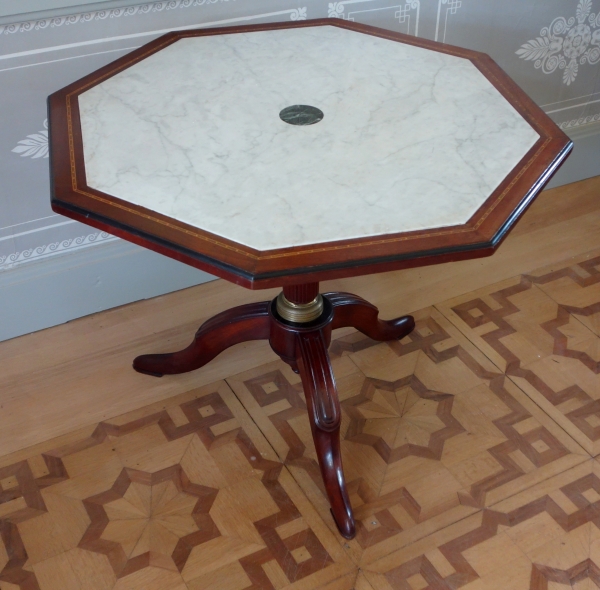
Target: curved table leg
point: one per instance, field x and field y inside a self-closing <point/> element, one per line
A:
<point x="351" y="310"/>
<point x="239" y="324"/>
<point x="325" y="418"/>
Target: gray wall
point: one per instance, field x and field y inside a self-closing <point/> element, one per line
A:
<point x="535" y="42"/>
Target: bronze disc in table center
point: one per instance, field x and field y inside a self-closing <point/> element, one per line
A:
<point x="301" y="114"/>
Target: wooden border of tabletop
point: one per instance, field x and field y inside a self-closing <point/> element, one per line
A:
<point x="255" y="269"/>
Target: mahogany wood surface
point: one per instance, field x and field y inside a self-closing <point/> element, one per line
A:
<point x="301" y="293"/>
<point x="304" y="348"/>
<point x="236" y="325"/>
<point x="325" y="416"/>
<point x="254" y="269"/>
<point x="352" y="310"/>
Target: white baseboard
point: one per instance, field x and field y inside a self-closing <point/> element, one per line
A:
<point x="42" y="294"/>
<point x="584" y="161"/>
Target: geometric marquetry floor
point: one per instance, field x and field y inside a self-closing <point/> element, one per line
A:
<point x="468" y="449"/>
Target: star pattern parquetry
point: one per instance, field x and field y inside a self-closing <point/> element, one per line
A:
<point x="145" y="498"/>
<point x="149" y="519"/>
<point x="457" y="478"/>
<point x="401" y="418"/>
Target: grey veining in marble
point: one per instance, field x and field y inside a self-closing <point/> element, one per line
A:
<point x="410" y="138"/>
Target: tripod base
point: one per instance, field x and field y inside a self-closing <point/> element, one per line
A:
<point x="304" y="347"/>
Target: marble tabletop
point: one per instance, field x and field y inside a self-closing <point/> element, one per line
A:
<point x="410" y="138"/>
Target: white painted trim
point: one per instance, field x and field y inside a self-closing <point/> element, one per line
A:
<point x="452" y="9"/>
<point x="581" y="122"/>
<point x="337" y="9"/>
<point x="589" y="130"/>
<point x="294" y="14"/>
<point x="67" y="17"/>
<point x="25" y="10"/>
<point x="29" y="221"/>
<point x="157" y="32"/>
<point x="583" y="161"/>
<point x="34" y="231"/>
<point x="583" y="104"/>
<point x="10" y="261"/>
<point x="397" y="15"/>
<point x="51" y="61"/>
<point x="569" y="100"/>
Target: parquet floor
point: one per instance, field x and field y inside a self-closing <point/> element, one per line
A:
<point x="471" y="450"/>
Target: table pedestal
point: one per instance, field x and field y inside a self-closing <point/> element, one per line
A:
<point x="303" y="345"/>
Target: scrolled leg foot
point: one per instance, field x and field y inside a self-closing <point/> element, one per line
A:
<point x="351" y="310"/>
<point x="240" y="324"/>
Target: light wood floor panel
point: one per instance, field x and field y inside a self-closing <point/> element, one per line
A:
<point x="575" y="287"/>
<point x="145" y="502"/>
<point x="546" y="537"/>
<point x="541" y="329"/>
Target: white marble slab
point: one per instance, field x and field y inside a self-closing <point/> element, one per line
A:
<point x="411" y="138"/>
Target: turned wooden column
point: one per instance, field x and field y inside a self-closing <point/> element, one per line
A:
<point x="304" y="293"/>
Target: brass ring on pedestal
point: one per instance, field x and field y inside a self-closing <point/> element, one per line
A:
<point x="299" y="313"/>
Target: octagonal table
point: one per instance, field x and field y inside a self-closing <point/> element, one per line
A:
<point x="286" y="154"/>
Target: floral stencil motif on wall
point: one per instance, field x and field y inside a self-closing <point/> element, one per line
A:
<point x="34" y="145"/>
<point x="566" y="44"/>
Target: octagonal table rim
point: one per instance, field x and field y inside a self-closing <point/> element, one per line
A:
<point x="254" y="269"/>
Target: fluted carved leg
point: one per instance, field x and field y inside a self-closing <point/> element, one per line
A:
<point x="239" y="324"/>
<point x="325" y="420"/>
<point x="351" y="310"/>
